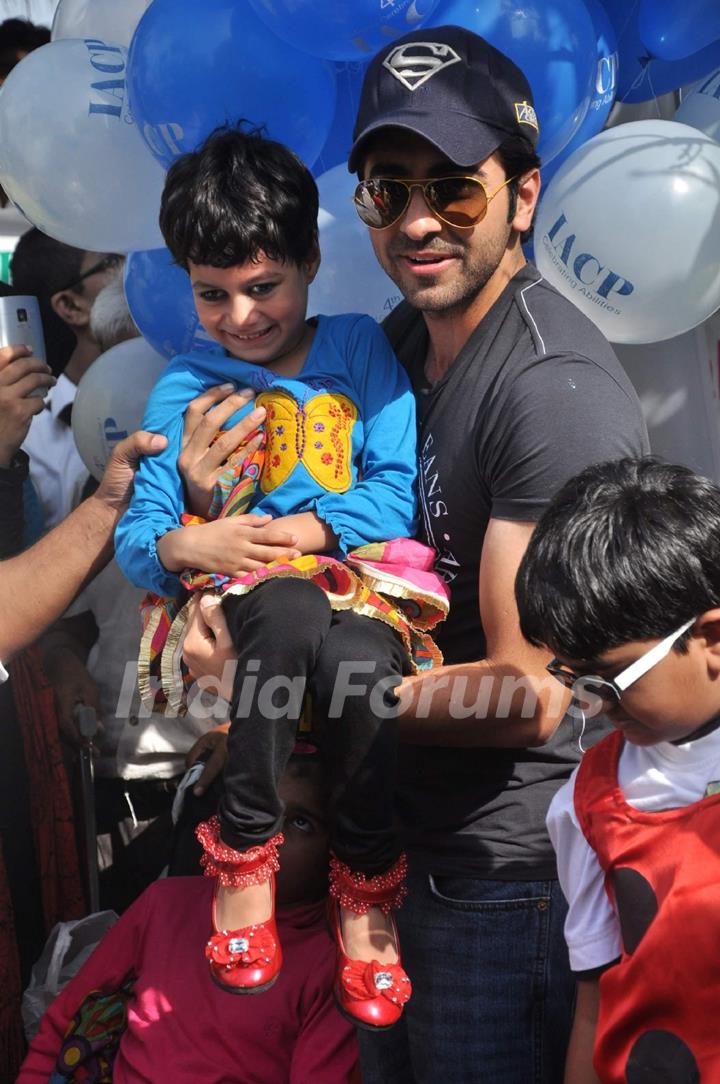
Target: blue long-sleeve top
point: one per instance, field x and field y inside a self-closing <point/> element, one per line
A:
<point x="341" y="442"/>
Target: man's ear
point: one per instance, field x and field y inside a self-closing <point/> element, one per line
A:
<point x="72" y="308"/>
<point x="528" y="193"/>
<point x="708" y="627"/>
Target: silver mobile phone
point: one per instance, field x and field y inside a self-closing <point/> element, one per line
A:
<point x="20" y="323"/>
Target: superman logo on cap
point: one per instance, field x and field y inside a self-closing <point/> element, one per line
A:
<point x="417" y="61"/>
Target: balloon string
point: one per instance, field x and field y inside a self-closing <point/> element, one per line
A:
<point x="655" y="97"/>
<point x="644" y="73"/>
<point x="645" y="61"/>
<point x="628" y="20"/>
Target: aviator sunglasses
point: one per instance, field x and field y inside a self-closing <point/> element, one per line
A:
<point x="610" y="690"/>
<point x="460" y="202"/>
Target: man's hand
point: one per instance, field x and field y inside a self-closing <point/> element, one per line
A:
<point x="214" y="742"/>
<point x="72" y="684"/>
<point x="232" y="545"/>
<point x="115" y="488"/>
<point x="202" y="458"/>
<point x="40" y="584"/>
<point x="21" y="375"/>
<point x="208" y="646"/>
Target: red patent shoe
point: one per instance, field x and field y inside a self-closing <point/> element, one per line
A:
<point x="369" y="993"/>
<point x="247" y="960"/>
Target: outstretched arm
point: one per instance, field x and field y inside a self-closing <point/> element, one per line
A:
<point x="517" y="702"/>
<point x="39" y="584"/>
<point x="525" y="459"/>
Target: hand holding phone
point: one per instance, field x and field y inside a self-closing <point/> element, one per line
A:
<point x="21" y="324"/>
<point x="24" y="380"/>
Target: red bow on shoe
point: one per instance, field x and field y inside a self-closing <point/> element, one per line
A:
<point x="364" y="981"/>
<point x="241" y="948"/>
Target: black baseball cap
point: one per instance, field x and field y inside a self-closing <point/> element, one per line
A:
<point x="451" y="87"/>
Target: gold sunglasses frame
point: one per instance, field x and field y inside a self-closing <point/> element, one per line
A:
<point x="421" y="183"/>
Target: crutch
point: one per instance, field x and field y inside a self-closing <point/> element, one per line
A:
<point x="86" y="720"/>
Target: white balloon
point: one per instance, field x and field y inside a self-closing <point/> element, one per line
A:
<point x="350" y="279"/>
<point x="109" y="20"/>
<point x="629" y="230"/>
<point x="701" y="108"/>
<point x="111" y="398"/>
<point x="71" y="157"/>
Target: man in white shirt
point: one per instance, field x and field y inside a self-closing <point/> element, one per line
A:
<point x="66" y="282"/>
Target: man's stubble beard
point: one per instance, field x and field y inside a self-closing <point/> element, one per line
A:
<point x="459" y="293"/>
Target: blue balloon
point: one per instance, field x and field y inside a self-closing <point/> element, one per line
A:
<point x="342" y="29"/>
<point x="605" y="87"/>
<point x="642" y="77"/>
<point x="552" y="42"/>
<point x="348" y="80"/>
<point x="193" y="66"/>
<point x="675" y="29"/>
<point x="160" y="299"/>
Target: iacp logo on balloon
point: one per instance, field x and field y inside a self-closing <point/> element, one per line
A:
<point x="583" y="271"/>
<point x="412" y="9"/>
<point x="108" y="60"/>
<point x="112" y="434"/>
<point x="165" y="137"/>
<point x="605" y="81"/>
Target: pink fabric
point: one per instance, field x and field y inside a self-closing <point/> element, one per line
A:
<point x="405" y="559"/>
<point x="182" y="1027"/>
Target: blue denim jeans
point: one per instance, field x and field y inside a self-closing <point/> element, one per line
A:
<point x="492" y="989"/>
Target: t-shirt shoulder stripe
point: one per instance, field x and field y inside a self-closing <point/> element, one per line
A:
<point x="524" y="303"/>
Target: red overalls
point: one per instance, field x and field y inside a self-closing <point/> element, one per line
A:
<point x="659" y="1020"/>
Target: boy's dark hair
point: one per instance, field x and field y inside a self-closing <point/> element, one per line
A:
<point x="238" y="196"/>
<point x="517" y="157"/>
<point x="627" y="550"/>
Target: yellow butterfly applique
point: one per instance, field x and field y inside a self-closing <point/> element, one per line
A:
<point x="318" y="435"/>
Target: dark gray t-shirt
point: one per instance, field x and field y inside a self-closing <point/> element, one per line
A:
<point x="535" y="395"/>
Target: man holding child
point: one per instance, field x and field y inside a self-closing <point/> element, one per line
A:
<point x="516" y="392"/>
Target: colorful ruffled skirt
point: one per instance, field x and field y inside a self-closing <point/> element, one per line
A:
<point x="393" y="581"/>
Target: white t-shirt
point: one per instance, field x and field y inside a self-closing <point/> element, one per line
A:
<point x="56" y="469"/>
<point x="652" y="778"/>
<point x="3" y="674"/>
<point x="132" y="744"/>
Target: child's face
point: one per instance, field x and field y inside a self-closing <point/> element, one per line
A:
<point x="256" y="310"/>
<point x="303" y="874"/>
<point x="671" y="701"/>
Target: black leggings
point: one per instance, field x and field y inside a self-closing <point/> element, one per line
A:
<point x="288" y="640"/>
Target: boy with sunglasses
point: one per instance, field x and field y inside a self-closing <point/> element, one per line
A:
<point x="622" y="580"/>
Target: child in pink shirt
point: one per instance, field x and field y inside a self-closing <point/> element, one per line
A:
<point x="180" y="1025"/>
